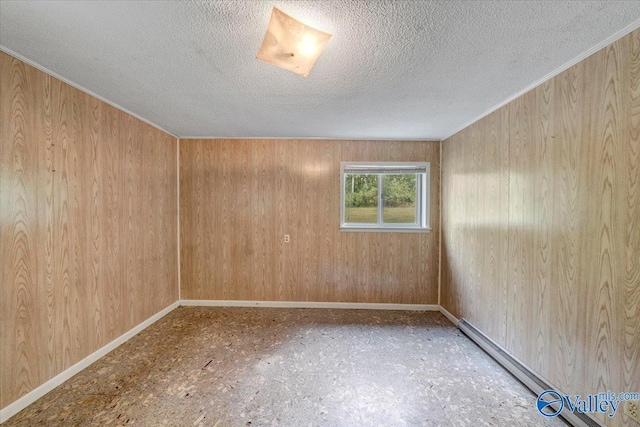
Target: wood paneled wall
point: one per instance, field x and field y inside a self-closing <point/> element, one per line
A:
<point x="238" y="198"/>
<point x="88" y="225"/>
<point x="541" y="225"/>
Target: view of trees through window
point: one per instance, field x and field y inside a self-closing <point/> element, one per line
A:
<point x="398" y="198"/>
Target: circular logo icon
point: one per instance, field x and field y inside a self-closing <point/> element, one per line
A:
<point x="546" y="401"/>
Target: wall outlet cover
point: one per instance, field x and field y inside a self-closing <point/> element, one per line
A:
<point x="632" y="409"/>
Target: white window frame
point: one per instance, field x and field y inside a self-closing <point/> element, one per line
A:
<point x="422" y="198"/>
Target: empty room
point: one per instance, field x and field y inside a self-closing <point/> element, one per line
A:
<point x="319" y="213"/>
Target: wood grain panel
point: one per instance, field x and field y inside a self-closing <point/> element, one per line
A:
<point x="570" y="223"/>
<point x="472" y="205"/>
<point x="542" y="197"/>
<point x="518" y="232"/>
<point x="457" y="229"/>
<point x="88" y="228"/>
<point x="19" y="244"/>
<point x="260" y="190"/>
<point x="484" y="235"/>
<point x="450" y="196"/>
<point x="607" y="176"/>
<point x="568" y="309"/>
<point x="498" y="168"/>
<point x="630" y="292"/>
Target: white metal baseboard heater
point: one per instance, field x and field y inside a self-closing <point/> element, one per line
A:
<point x="523" y="373"/>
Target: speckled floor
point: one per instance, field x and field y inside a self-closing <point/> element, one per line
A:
<point x="201" y="366"/>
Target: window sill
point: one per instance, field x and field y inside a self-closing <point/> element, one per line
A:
<point x="386" y="229"/>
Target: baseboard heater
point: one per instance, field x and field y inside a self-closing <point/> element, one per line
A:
<point x="522" y="373"/>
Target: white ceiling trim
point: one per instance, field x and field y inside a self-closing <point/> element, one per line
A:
<point x="83" y="89"/>
<point x="119" y="107"/>
<point x="584" y="55"/>
<point x="617" y="35"/>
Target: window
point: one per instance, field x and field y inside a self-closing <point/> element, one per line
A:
<point x="385" y="196"/>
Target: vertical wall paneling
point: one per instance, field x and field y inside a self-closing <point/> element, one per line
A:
<point x="232" y="239"/>
<point x="564" y="293"/>
<point x="630" y="294"/>
<point x="570" y="192"/>
<point x="88" y="230"/>
<point x="607" y="171"/>
<point x="541" y="191"/>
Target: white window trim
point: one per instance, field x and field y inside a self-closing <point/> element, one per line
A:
<point x="423" y="208"/>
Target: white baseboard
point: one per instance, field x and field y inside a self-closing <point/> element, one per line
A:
<point x="35" y="394"/>
<point x="309" y="304"/>
<point x="449" y="316"/>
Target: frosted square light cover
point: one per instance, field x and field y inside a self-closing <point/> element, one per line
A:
<point x="290" y="44"/>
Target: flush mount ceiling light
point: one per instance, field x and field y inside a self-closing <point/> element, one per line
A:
<point x="290" y="44"/>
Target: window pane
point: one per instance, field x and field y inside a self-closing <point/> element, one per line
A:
<point x="361" y="199"/>
<point x="399" y="199"/>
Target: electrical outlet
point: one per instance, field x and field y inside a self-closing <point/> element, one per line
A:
<point x="632" y="409"/>
<point x="286" y="238"/>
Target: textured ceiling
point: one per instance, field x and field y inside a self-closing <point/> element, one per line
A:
<point x="393" y="69"/>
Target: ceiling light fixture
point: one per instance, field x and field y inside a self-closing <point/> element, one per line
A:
<point x="290" y="44"/>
